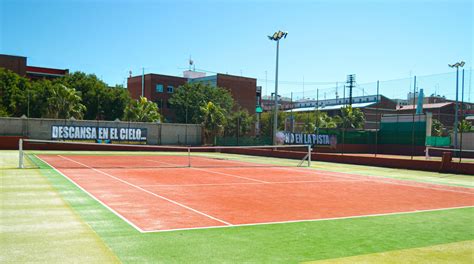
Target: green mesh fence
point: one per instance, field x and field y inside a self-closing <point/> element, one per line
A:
<point x="351" y="136"/>
<point x="244" y="141"/>
<point x="402" y="133"/>
<point x="438" y="141"/>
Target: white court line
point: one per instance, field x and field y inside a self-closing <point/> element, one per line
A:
<point x="93" y="197"/>
<point x="312" y="171"/>
<point x="311" y="220"/>
<point x="244" y="183"/>
<point x="379" y="179"/>
<point x="215" y="172"/>
<point x="149" y="192"/>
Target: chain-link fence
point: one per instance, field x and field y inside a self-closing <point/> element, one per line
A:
<point x="394" y="117"/>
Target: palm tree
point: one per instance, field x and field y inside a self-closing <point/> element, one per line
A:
<point x="437" y="128"/>
<point x="350" y="118"/>
<point x="64" y="102"/>
<point x="142" y="110"/>
<point x="464" y="126"/>
<point x="214" y="120"/>
<point x="322" y="120"/>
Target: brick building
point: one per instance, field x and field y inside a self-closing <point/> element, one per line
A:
<point x="159" y="89"/>
<point x="18" y="65"/>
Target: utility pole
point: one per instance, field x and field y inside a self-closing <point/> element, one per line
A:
<point x="350" y="82"/>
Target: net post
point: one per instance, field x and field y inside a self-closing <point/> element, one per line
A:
<point x="20" y="150"/>
<point x="309" y="155"/>
<point x="427" y="155"/>
<point x="189" y="157"/>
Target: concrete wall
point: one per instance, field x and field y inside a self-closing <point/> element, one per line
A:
<point x="157" y="134"/>
<point x="467" y="140"/>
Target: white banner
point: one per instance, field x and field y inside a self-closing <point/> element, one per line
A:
<point x="307" y="139"/>
<point x="98" y="133"/>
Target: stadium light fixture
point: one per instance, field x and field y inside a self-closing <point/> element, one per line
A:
<point x="456" y="65"/>
<point x="276" y="37"/>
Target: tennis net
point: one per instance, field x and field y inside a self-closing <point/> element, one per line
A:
<point x="461" y="155"/>
<point x="60" y="154"/>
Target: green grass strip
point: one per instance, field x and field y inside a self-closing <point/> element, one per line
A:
<point x="38" y="226"/>
<point x="459" y="252"/>
<point x="277" y="243"/>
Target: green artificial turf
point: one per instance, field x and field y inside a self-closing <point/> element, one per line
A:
<point x="276" y="243"/>
<point x="37" y="225"/>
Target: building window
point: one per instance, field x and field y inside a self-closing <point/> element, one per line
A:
<point x="159" y="88"/>
<point x="170" y="89"/>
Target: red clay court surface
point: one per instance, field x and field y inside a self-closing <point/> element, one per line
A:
<point x="164" y="199"/>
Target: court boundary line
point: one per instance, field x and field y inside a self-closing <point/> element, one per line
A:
<point x="93" y="197"/>
<point x="312" y="220"/>
<point x="380" y="179"/>
<point x="409" y="183"/>
<point x="151" y="193"/>
<point x="244" y="183"/>
<point x="215" y="172"/>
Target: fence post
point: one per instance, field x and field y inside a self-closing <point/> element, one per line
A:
<point x="20" y="148"/>
<point x="413" y="122"/>
<point x="189" y="157"/>
<point x="309" y="155"/>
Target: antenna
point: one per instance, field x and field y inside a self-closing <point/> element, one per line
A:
<point x="191" y="63"/>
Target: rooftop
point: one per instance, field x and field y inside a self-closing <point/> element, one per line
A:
<point x="425" y="106"/>
<point x="330" y="107"/>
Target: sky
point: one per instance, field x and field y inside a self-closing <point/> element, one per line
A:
<point x="327" y="40"/>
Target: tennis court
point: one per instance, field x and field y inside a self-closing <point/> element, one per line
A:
<point x="156" y="193"/>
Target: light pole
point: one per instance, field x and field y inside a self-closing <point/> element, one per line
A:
<point x="456" y="65"/>
<point x="276" y="37"/>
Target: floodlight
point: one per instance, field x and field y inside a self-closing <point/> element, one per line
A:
<point x="457" y="65"/>
<point x="276" y="37"/>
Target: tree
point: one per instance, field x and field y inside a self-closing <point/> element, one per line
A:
<point x="142" y="110"/>
<point x="266" y="122"/>
<point x="113" y="105"/>
<point x="464" y="126"/>
<point x="437" y="128"/>
<point x="101" y="101"/>
<point x="239" y="123"/>
<point x="64" y="102"/>
<point x="20" y="96"/>
<point x="322" y="120"/>
<point x="214" y="120"/>
<point x="189" y="99"/>
<point x="13" y="99"/>
<point x="350" y="118"/>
